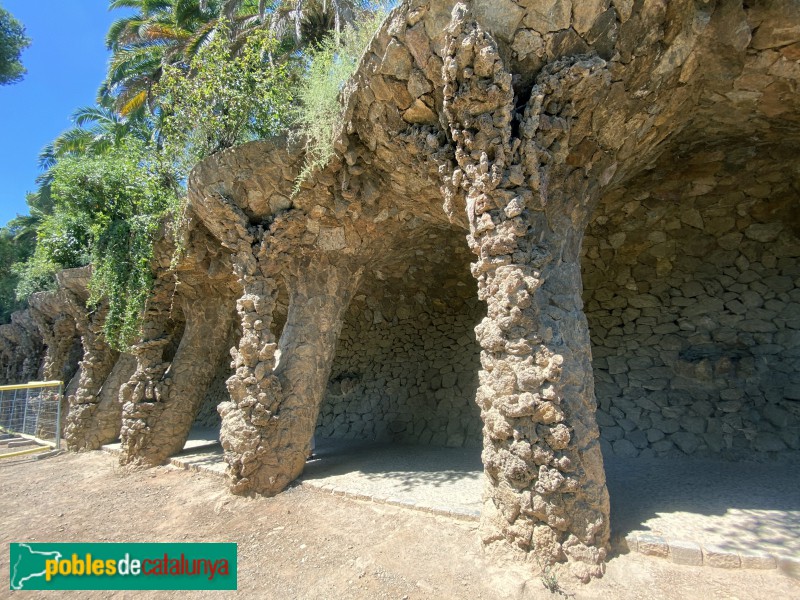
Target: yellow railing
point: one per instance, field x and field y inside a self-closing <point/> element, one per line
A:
<point x="32" y="410"/>
<point x="29" y="385"/>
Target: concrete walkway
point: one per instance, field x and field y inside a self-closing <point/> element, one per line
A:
<point x="692" y="511"/>
<point x="440" y="480"/>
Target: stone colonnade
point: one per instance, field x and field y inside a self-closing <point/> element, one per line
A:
<point x="517" y="118"/>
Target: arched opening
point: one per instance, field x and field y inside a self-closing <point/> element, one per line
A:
<point x="691" y="274"/>
<point x="399" y="407"/>
<point x="203" y="442"/>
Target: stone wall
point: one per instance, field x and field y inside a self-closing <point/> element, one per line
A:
<point x="692" y="292"/>
<point x="407" y="361"/>
<point x="407" y="377"/>
<point x="207" y="416"/>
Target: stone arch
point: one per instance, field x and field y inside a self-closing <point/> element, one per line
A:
<point x="517" y="118"/>
<point x="407" y="361"/>
<point x="59" y="335"/>
<point x="187" y="326"/>
<point x="614" y="86"/>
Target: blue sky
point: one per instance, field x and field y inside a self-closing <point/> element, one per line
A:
<point x="66" y="63"/>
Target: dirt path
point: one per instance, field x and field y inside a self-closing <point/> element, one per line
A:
<point x="306" y="544"/>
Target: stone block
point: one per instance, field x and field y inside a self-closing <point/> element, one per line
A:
<point x="685" y="553"/>
<point x="604" y="419"/>
<point x="617" y="364"/>
<point x="637" y="438"/>
<point x="687" y="442"/>
<point x="754" y="559"/>
<point x="789" y="565"/>
<point x="653" y="545"/>
<point x="663" y="446"/>
<point x="766" y="441"/>
<point x="501" y="17"/>
<point x="721" y="558"/>
<point x="549" y="15"/>
<point x="693" y="424"/>
<point x="763" y="232"/>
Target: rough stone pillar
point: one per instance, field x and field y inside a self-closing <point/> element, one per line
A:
<point x="58" y="334"/>
<point x="268" y="424"/>
<point x="162" y="399"/>
<point x="89" y="424"/>
<point x="545" y="493"/>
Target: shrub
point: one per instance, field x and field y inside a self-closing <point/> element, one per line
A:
<point x="107" y="210"/>
<point x="329" y="67"/>
<point x="228" y="95"/>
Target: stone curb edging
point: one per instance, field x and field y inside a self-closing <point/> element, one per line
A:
<point x="684" y="552"/>
<point x="176" y="461"/>
<point x="680" y="552"/>
<point x="195" y="468"/>
<point x="454" y="513"/>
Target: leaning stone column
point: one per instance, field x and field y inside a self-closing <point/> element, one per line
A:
<point x="545" y="495"/>
<point x="162" y="401"/>
<point x="268" y="424"/>
<point x="87" y="428"/>
<point x="58" y="333"/>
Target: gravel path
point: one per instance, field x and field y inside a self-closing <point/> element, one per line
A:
<point x="733" y="507"/>
<point x="303" y="544"/>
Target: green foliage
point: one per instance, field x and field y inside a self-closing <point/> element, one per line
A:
<point x="36" y="274"/>
<point x="12" y="250"/>
<point x="107" y="211"/>
<point x="329" y="67"/>
<point x="227" y="97"/>
<point x="187" y="78"/>
<point x="17" y="243"/>
<point x="12" y="43"/>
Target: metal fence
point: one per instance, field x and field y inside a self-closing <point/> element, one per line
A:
<point x="32" y="409"/>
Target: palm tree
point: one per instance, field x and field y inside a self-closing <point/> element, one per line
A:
<point x="161" y="32"/>
<point x="307" y="21"/>
<point x="171" y="32"/>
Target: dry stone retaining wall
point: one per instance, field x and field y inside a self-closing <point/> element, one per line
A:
<point x="692" y="291"/>
<point x="408" y="378"/>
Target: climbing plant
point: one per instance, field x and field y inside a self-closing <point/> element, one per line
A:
<point x="107" y="211"/>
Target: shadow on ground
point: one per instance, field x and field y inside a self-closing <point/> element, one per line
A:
<point x="735" y="505"/>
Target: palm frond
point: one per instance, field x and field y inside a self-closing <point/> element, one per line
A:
<point x="47" y="157"/>
<point x="134" y="103"/>
<point x="154" y="32"/>
<point x="86" y="115"/>
<point x="201" y="37"/>
<point x="126" y="32"/>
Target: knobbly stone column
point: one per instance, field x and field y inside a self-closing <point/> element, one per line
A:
<point x="147" y="386"/>
<point x="545" y="493"/>
<point x="162" y="404"/>
<point x="58" y="333"/>
<point x="268" y="424"/>
<point x="88" y="423"/>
